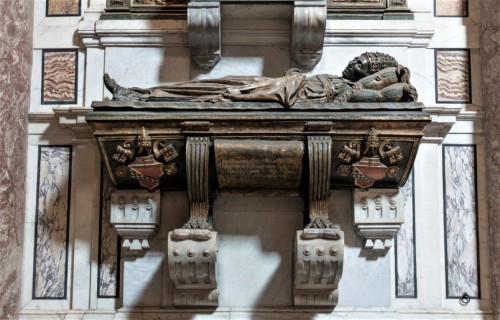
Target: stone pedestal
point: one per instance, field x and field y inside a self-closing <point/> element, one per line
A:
<point x="136" y="217"/>
<point x="192" y="264"/>
<point x="378" y="215"/>
<point x="319" y="258"/>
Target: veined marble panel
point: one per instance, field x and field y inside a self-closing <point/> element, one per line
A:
<point x="406" y="280"/>
<point x="109" y="248"/>
<point x="59" y="82"/>
<point x="453" y="76"/>
<point x="451" y="8"/>
<point x="51" y="231"/>
<point x="63" y="8"/>
<point x="460" y="209"/>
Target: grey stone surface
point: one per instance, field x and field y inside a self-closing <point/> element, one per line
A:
<point x="15" y="73"/>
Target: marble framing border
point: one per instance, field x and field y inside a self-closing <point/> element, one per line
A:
<point x="476" y="234"/>
<point x="68" y="209"/>
<point x="75" y="89"/>
<point x="414" y="249"/>
<point x="47" y="14"/>
<point x="436" y="75"/>
<point x="105" y="188"/>
<point x="452" y="16"/>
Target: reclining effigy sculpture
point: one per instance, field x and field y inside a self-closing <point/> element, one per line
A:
<point x="370" y="77"/>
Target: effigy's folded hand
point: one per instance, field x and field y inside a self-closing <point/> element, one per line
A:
<point x="214" y="99"/>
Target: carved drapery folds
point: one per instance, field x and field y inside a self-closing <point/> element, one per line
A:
<point x="135" y="214"/>
<point x="378" y="215"/>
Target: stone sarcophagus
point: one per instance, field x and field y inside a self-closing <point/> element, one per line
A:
<point x="288" y="136"/>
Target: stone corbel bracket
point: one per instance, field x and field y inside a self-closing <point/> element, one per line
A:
<point x="319" y="259"/>
<point x="308" y="32"/>
<point x="192" y="265"/>
<point x="204" y="33"/>
<point x="378" y="216"/>
<point x="136" y="217"/>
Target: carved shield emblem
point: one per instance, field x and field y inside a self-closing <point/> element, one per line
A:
<point x="147" y="170"/>
<point x="368" y="170"/>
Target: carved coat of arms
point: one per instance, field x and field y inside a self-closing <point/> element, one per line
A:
<point x="145" y="160"/>
<point x="363" y="160"/>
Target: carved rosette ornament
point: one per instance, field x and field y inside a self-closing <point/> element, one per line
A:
<point x="363" y="160"/>
<point x="145" y="160"/>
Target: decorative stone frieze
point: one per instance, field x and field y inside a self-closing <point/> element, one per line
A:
<point x="135" y="214"/>
<point x="192" y="264"/>
<point x="378" y="215"/>
<point x="319" y="258"/>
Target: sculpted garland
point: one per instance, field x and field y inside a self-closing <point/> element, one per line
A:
<point x="370" y="77"/>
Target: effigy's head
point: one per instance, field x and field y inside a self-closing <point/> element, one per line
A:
<point x="366" y="64"/>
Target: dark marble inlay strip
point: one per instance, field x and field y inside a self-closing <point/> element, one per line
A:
<point x="52" y="222"/>
<point x="460" y="221"/>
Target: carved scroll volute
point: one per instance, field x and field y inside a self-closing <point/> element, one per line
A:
<point x="197" y="156"/>
<point x="204" y="32"/>
<point x="192" y="249"/>
<point x="308" y="32"/>
<point x="319" y="149"/>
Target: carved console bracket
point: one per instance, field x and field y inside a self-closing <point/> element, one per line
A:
<point x="204" y="33"/>
<point x="192" y="266"/>
<point x="308" y="32"/>
<point x="378" y="215"/>
<point x="319" y="258"/>
<point x="135" y="216"/>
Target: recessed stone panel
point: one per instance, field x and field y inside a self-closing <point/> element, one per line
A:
<point x="451" y="8"/>
<point x="59" y="76"/>
<point x="52" y="223"/>
<point x="453" y="81"/>
<point x="460" y="209"/>
<point x="63" y="8"/>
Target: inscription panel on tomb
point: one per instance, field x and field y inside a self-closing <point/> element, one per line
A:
<point x="258" y="164"/>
